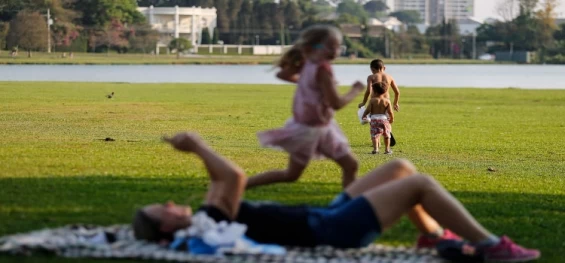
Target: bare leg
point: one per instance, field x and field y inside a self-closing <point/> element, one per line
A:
<point x="349" y="166"/>
<point x="291" y="174"/>
<point x="394" y="170"/>
<point x="228" y="179"/>
<point x="392" y="200"/>
<point x="378" y="139"/>
<point x="374" y="141"/>
<point x="387" y="145"/>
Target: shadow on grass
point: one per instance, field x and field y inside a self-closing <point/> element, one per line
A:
<point x="535" y="220"/>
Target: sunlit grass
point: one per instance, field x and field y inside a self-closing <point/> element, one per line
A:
<point x="56" y="169"/>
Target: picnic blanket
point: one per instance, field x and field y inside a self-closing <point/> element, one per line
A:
<point x="118" y="242"/>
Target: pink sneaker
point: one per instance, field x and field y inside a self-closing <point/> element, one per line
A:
<point x="429" y="242"/>
<point x="508" y="251"/>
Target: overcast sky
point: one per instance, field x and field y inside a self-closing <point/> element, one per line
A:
<point x="486" y="8"/>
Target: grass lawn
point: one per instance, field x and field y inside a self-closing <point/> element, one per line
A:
<point x="134" y="59"/>
<point x="57" y="170"/>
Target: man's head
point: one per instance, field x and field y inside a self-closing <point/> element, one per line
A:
<point x="377" y="65"/>
<point x="158" y="222"/>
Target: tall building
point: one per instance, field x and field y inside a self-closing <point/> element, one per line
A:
<point x="435" y="11"/>
<point x="422" y="6"/>
<point x="451" y="9"/>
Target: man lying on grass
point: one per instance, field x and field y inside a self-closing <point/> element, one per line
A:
<point x="354" y="219"/>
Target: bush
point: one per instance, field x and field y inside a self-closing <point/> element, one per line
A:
<point x="416" y="56"/>
<point x="180" y="44"/>
<point x="557" y="59"/>
<point x="356" y="48"/>
<point x="79" y="45"/>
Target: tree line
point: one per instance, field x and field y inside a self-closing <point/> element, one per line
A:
<point x="104" y="25"/>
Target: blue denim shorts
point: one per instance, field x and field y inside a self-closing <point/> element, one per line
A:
<point x="345" y="223"/>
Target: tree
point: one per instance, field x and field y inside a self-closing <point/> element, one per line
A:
<point x="3" y="34"/>
<point x="28" y="30"/>
<point x="206" y="39"/>
<point x="244" y="22"/>
<point x="352" y="8"/>
<point x="407" y="16"/>
<point x="144" y="38"/>
<point x="10" y="8"/>
<point x="99" y="13"/>
<point x="293" y="15"/>
<point x="507" y="9"/>
<point x="527" y="7"/>
<point x="180" y="45"/>
<point x="546" y="25"/>
<point x="374" y="6"/>
<point x="443" y="39"/>
<point x="112" y="36"/>
<point x="348" y="19"/>
<point x="216" y="36"/>
<point x="223" y="19"/>
<point x="559" y="35"/>
<point x="64" y="30"/>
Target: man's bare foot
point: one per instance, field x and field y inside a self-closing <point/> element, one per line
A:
<point x="184" y="141"/>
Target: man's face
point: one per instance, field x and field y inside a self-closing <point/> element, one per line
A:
<point x="172" y="216"/>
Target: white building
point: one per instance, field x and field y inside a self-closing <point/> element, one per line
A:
<point x="468" y="26"/>
<point x="180" y="22"/>
<point x="422" y="6"/>
<point x="392" y="23"/>
<point x="433" y="12"/>
<point x="451" y="9"/>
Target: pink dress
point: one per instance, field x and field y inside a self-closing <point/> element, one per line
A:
<point x="311" y="132"/>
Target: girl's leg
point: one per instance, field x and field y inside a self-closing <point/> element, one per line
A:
<point x="392" y="200"/>
<point x="394" y="170"/>
<point x="374" y="141"/>
<point x="349" y="167"/>
<point x="291" y="174"/>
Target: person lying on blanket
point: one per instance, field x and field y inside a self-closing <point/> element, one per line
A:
<point x="354" y="219"/>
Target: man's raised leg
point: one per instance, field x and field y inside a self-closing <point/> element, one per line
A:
<point x="394" y="170"/>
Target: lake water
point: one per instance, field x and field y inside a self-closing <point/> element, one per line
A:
<point x="479" y="76"/>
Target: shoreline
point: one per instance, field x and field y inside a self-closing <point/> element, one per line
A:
<point x="135" y="59"/>
<point x="43" y="82"/>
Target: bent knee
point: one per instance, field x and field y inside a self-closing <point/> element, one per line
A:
<point x="406" y="165"/>
<point x="424" y="181"/>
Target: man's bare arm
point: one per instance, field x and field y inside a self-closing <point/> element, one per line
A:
<point x="396" y="94"/>
<point x="227" y="179"/>
<point x="367" y="92"/>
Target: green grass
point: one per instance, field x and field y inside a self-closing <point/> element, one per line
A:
<point x="56" y="170"/>
<point x="204" y="58"/>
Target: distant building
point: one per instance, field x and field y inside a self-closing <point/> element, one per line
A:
<point x="433" y="12"/>
<point x="421" y="6"/>
<point x="392" y="23"/>
<point x="441" y="10"/>
<point x="180" y="22"/>
<point x="468" y="26"/>
<point x="351" y="30"/>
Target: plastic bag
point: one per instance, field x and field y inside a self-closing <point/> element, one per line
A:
<point x="360" y="115"/>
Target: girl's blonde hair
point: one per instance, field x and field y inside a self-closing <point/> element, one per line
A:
<point x="312" y="37"/>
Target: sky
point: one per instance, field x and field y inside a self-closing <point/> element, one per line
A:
<point x="486" y="8"/>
